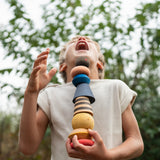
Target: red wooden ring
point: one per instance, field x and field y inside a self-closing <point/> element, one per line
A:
<point x="86" y="142"/>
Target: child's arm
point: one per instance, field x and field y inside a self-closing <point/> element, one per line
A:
<point x="132" y="147"/>
<point x="34" y="123"/>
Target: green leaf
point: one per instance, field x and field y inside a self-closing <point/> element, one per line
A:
<point x="8" y="70"/>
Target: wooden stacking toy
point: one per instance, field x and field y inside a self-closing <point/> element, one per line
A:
<point x="83" y="98"/>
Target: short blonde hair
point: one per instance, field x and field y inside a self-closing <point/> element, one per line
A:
<point x="62" y="57"/>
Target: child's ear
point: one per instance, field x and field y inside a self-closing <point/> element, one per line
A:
<point x="62" y="67"/>
<point x="100" y="65"/>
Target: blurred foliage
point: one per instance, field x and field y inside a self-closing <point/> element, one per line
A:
<point x="9" y="140"/>
<point x="132" y="54"/>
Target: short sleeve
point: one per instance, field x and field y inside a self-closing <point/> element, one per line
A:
<point x="43" y="103"/>
<point x="127" y="96"/>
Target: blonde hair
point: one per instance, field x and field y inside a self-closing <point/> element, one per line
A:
<point x="62" y="57"/>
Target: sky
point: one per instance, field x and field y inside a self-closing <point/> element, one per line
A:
<point x="35" y="11"/>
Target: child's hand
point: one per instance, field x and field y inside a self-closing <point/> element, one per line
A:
<point x="39" y="77"/>
<point x="96" y="152"/>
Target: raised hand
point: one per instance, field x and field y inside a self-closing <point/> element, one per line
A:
<point x="96" y="152"/>
<point x="39" y="77"/>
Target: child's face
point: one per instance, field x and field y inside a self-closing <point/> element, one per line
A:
<point x="81" y="47"/>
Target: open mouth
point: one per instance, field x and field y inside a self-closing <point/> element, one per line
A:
<point x="82" y="45"/>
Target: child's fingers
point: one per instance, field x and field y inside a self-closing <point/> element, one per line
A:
<point x="71" y="152"/>
<point x="96" y="136"/>
<point x="46" y="52"/>
<point x="68" y="146"/>
<point x="35" y="71"/>
<point x="51" y="73"/>
<point x="77" y="146"/>
<point x="40" y="60"/>
<point x="48" y="49"/>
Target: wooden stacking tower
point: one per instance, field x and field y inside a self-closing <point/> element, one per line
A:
<point x="83" y="98"/>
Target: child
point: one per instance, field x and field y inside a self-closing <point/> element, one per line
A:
<point x="53" y="105"/>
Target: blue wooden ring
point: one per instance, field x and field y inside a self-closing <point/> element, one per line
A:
<point x="80" y="78"/>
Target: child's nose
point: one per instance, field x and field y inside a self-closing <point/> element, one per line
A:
<point x="82" y="38"/>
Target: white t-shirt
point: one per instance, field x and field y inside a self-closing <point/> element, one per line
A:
<point x="112" y="98"/>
